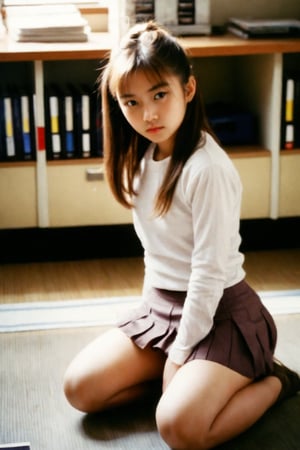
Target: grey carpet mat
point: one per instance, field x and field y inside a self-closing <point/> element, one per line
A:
<point x="33" y="407"/>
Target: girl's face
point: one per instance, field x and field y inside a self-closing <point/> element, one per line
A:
<point x="155" y="108"/>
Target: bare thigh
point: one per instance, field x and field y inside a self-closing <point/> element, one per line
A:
<point x="110" y="370"/>
<point x="200" y="390"/>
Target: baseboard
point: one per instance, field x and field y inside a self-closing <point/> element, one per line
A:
<point x="70" y="243"/>
<point x="75" y="243"/>
<point x="106" y="311"/>
<point x="268" y="234"/>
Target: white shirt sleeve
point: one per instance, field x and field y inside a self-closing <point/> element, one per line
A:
<point x="214" y="196"/>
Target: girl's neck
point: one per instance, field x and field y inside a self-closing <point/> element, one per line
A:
<point x="159" y="154"/>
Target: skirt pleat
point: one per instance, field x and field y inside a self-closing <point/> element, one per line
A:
<point x="243" y="336"/>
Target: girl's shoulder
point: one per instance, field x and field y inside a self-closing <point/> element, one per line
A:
<point x="209" y="162"/>
<point x="208" y="153"/>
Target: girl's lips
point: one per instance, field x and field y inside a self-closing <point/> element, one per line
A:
<point x="154" y="129"/>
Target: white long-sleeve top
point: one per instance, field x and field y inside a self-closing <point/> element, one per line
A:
<point x="194" y="247"/>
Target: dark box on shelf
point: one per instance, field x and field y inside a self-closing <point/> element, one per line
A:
<point x="232" y="126"/>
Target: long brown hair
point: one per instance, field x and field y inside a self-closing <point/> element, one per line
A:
<point x="150" y="48"/>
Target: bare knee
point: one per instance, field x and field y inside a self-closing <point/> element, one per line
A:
<point x="175" y="427"/>
<point x="77" y="390"/>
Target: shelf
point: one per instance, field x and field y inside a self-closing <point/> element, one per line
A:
<point x="294" y="151"/>
<point x="17" y="164"/>
<point x="100" y="44"/>
<point x="75" y="161"/>
<point x="231" y="45"/>
<point x="96" y="48"/>
<point x="250" y="72"/>
<point x="247" y="151"/>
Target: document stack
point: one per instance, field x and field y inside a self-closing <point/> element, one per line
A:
<point x="46" y="23"/>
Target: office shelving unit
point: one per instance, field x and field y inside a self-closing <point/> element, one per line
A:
<point x="62" y="193"/>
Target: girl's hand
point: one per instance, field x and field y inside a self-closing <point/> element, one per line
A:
<point x="169" y="371"/>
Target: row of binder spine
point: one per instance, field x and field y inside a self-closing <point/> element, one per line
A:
<point x="17" y="131"/>
<point x="290" y="120"/>
<point x="72" y="123"/>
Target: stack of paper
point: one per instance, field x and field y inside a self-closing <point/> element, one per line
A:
<point x="47" y="23"/>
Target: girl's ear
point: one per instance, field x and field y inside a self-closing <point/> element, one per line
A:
<point x="190" y="89"/>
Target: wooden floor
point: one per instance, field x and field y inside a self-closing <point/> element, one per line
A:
<point x="50" y="281"/>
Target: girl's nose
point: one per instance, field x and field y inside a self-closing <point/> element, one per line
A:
<point x="150" y="115"/>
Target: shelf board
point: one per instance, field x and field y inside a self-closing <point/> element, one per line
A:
<point x="294" y="151"/>
<point x="99" y="45"/>
<point x="229" y="44"/>
<point x="75" y="161"/>
<point x="247" y="151"/>
<point x="17" y="164"/>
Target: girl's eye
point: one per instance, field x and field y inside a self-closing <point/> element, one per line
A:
<point x="160" y="95"/>
<point x="130" y="103"/>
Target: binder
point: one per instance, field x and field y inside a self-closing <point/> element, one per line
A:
<point x="95" y="120"/>
<point x="74" y="92"/>
<point x="96" y="124"/>
<point x="290" y="117"/>
<point x="9" y="128"/>
<point x="54" y="125"/>
<point x="2" y="130"/>
<point x="69" y="143"/>
<point x="17" y="124"/>
<point x="289" y="99"/>
<point x="26" y="126"/>
<point x="53" y="122"/>
<point x="82" y="120"/>
<point x="24" y="123"/>
<point x="297" y="111"/>
<point x="17" y="132"/>
<point x="85" y="124"/>
<point x="73" y="122"/>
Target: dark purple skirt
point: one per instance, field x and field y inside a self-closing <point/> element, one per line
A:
<point x="243" y="336"/>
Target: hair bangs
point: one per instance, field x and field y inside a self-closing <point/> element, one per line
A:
<point x="152" y="67"/>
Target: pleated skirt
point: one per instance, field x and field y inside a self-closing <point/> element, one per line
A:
<point x="243" y="336"/>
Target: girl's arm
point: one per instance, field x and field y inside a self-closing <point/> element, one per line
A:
<point x="214" y="196"/>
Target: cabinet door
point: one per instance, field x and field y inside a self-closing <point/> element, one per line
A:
<point x="79" y="195"/>
<point x="18" y="207"/>
<point x="289" y="196"/>
<point x="255" y="174"/>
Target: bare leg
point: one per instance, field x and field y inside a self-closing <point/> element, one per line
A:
<point x="109" y="371"/>
<point x="207" y="404"/>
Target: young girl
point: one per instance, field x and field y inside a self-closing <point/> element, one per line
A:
<point x="199" y="328"/>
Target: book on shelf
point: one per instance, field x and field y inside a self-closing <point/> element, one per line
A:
<point x="72" y="122"/>
<point x="290" y="117"/>
<point x="27" y="124"/>
<point x="91" y="122"/>
<point x="46" y="23"/>
<point x="9" y="127"/>
<point x="17" y="129"/>
<point x="262" y="28"/>
<point x="2" y="130"/>
<point x="85" y="123"/>
<point x="69" y="124"/>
